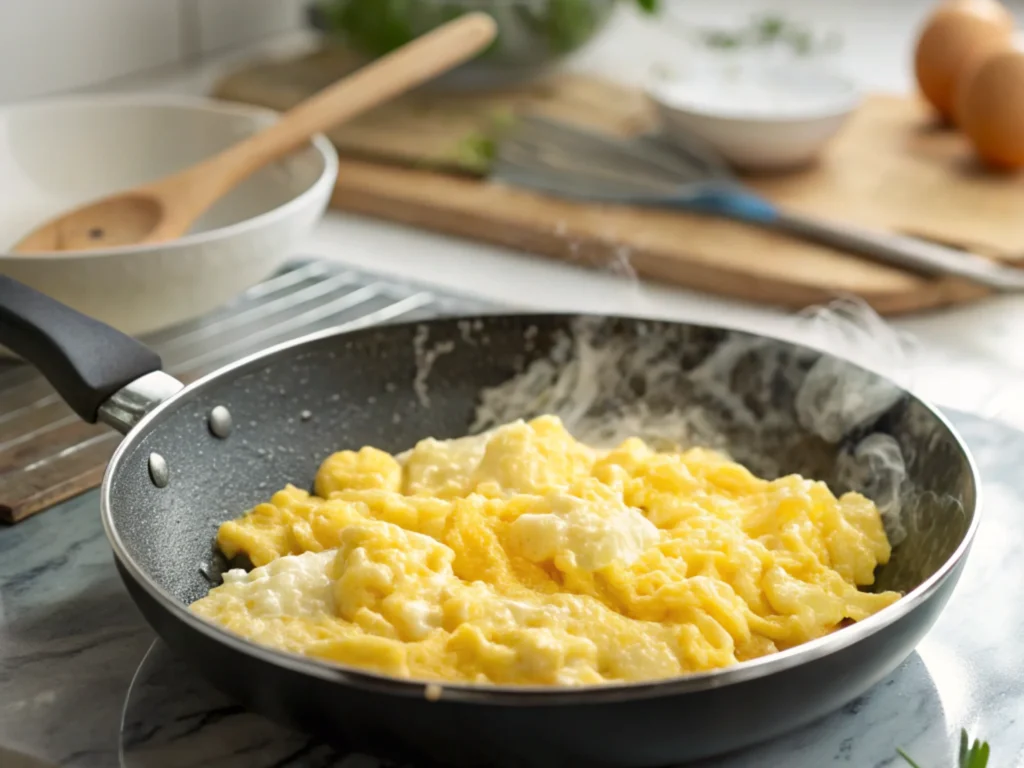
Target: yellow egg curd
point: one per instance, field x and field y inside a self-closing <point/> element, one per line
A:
<point x="522" y="556"/>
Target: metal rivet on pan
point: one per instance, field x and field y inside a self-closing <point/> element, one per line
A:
<point x="220" y="421"/>
<point x="432" y="692"/>
<point x="158" y="471"/>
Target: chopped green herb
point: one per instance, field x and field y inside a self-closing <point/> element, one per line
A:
<point x="717" y="38"/>
<point x="766" y="31"/>
<point x="477" y="151"/>
<point x="769" y="28"/>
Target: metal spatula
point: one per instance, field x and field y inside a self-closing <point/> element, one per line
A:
<point x="563" y="160"/>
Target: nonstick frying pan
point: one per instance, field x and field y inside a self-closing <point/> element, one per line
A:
<point x="196" y="456"/>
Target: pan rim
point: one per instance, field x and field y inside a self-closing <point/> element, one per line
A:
<point x="508" y="695"/>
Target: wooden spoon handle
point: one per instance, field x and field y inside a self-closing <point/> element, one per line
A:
<point x="401" y="70"/>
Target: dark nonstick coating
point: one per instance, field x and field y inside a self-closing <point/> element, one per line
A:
<point x="297" y="405"/>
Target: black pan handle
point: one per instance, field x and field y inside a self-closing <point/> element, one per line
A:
<point x="85" y="360"/>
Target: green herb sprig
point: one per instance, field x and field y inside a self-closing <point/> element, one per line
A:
<point x="477" y="151"/>
<point x="971" y="755"/>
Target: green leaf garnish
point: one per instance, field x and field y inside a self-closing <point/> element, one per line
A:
<point x="976" y="756"/>
<point x="971" y="755"/>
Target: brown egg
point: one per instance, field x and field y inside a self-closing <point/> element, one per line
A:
<point x="970" y="66"/>
<point x="957" y="34"/>
<point x="990" y="107"/>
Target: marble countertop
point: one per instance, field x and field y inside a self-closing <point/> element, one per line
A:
<point x="71" y="642"/>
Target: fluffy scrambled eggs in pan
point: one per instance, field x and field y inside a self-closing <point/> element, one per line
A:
<point x="525" y="557"/>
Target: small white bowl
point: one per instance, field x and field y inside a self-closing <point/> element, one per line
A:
<point x="56" y="155"/>
<point x="758" y="118"/>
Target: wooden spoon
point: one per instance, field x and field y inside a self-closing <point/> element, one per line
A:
<point x="166" y="209"/>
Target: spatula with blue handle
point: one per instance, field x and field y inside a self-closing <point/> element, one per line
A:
<point x="563" y="160"/>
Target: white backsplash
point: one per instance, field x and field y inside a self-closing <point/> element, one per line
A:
<point x="51" y="46"/>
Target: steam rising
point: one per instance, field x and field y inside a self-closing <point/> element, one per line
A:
<point x="425" y="359"/>
<point x="875" y="468"/>
<point x="746" y="392"/>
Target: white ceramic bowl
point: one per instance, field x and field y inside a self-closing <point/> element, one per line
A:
<point x="56" y="155"/>
<point x="757" y="117"/>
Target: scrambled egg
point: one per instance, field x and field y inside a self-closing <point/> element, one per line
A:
<point x="525" y="557"/>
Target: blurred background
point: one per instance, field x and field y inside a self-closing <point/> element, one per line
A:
<point x="840" y="112"/>
<point x="705" y="160"/>
<point x="51" y="46"/>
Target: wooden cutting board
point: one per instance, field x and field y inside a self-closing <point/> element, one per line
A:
<point x="421" y="161"/>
